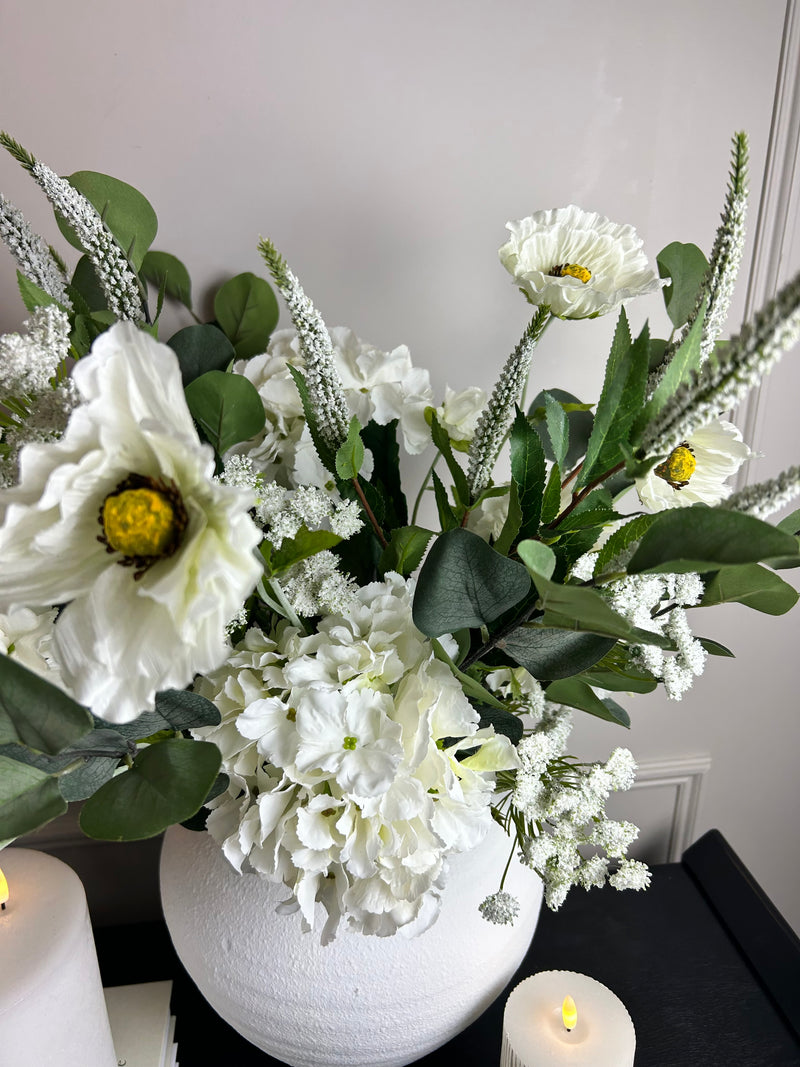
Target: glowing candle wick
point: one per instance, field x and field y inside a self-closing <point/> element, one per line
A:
<point x="569" y="1013"/>
<point x="3" y="891"/>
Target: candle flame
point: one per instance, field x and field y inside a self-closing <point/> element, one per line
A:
<point x="569" y="1013"/>
<point x="3" y="890"/>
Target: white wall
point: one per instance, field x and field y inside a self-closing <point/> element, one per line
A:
<point x="383" y="147"/>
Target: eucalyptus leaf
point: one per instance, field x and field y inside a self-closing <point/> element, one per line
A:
<point x="85" y="780"/>
<point x="700" y="538"/>
<point x="685" y="266"/>
<point x="465" y="583"/>
<point x="29" y="798"/>
<point x="85" y="282"/>
<point x="226" y="407"/>
<point x="167" y="783"/>
<point x="538" y="558"/>
<point x="168" y="274"/>
<point x="577" y="694"/>
<point x="35" y="713"/>
<point x="550" y="653"/>
<point x="714" y="648"/>
<point x="184" y="710"/>
<point x="751" y="585"/>
<point x="126" y="213"/>
<point x="201" y="348"/>
<point x="247" y="311"/>
<point x="502" y="720"/>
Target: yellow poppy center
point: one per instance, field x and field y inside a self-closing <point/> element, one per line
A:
<point x="139" y="522"/>
<point x="678" y="467"/>
<point x="571" y="270"/>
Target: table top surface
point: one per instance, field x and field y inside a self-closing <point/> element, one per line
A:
<point x="709" y="978"/>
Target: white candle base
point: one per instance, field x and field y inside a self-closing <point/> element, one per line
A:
<point x="534" y="1034"/>
<point x="52" y="1009"/>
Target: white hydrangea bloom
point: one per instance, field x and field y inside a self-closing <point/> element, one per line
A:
<point x="460" y="411"/>
<point x="341" y="784"/>
<point x="697" y="470"/>
<point x="381" y="386"/>
<point x="578" y="263"/>
<point x="131" y="625"/>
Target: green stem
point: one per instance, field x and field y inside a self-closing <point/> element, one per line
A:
<point x="424" y="486"/>
<point x="279" y="597"/>
<point x="578" y="497"/>
<point x="369" y="513"/>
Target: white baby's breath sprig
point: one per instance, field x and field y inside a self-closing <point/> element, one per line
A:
<point x="117" y="280"/>
<point x="34" y="259"/>
<point x="729" y="374"/>
<point x="765" y="498"/>
<point x="499" y="412"/>
<point x="325" y="388"/>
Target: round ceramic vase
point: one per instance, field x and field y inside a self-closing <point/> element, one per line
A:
<point x="361" y="1000"/>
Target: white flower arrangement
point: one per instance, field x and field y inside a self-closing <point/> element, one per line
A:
<point x="218" y="609"/>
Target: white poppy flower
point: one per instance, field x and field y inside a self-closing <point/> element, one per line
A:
<point x="579" y="263"/>
<point x="695" y="472"/>
<point x="122" y="520"/>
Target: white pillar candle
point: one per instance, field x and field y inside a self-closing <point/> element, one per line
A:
<point x="534" y="1034"/>
<point x="52" y="1009"/>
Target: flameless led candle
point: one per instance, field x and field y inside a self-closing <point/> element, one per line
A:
<point x="52" y="1009"/>
<point x="563" y="1018"/>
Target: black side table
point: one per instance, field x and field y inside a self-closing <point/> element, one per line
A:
<point x="706" y="966"/>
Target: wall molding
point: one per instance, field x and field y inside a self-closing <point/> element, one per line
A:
<point x="778" y="210"/>
<point x="686" y="775"/>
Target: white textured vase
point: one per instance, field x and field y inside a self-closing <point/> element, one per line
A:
<point x="382" y="1002"/>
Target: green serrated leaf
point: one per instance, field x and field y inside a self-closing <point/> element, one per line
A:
<point x="247" y="311"/>
<point x="448" y="519"/>
<point x="686" y="266"/>
<point x="324" y="451"/>
<point x="700" y="538"/>
<point x="512" y="525"/>
<point x="127" y="214"/>
<point x="620" y="402"/>
<point x="551" y="501"/>
<point x="680" y="370"/>
<point x="167" y="783"/>
<point x="32" y="296"/>
<point x="620" y="540"/>
<point x="751" y="585"/>
<point x="226" y="407"/>
<point x="303" y="545"/>
<point x="442" y="441"/>
<point x="35" y="713"/>
<point x="169" y="275"/>
<point x="528" y="472"/>
<point x="465" y="583"/>
<point x="350" y="456"/>
<point x="557" y="422"/>
<point x="405" y="550"/>
<point x="580" y="422"/>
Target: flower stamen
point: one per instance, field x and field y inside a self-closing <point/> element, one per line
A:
<point x="678" y="467"/>
<point x="350" y="743"/>
<point x="571" y="270"/>
<point x="144" y="519"/>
